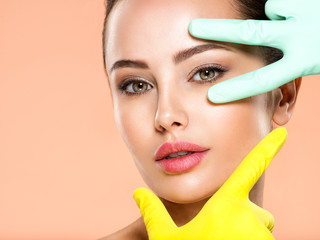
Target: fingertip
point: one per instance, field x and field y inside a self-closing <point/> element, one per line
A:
<point x="139" y="191"/>
<point x="281" y="131"/>
<point x="191" y="26"/>
<point x="138" y="194"/>
<point x="153" y="211"/>
<point x="270" y="222"/>
<point x="280" y="134"/>
<point x="272" y="144"/>
<point x="214" y="95"/>
<point x="195" y="27"/>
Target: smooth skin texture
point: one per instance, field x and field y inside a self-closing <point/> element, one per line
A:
<point x="172" y="104"/>
<point x="229" y="214"/>
<point x="294" y="29"/>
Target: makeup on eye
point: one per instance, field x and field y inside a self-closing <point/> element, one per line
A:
<point x="207" y="73"/>
<point x="202" y="74"/>
<point x="134" y="87"/>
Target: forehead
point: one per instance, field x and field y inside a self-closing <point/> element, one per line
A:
<point x="138" y="28"/>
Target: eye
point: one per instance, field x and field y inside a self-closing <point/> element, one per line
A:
<point x="133" y="87"/>
<point x="204" y="74"/>
<point x="137" y="87"/>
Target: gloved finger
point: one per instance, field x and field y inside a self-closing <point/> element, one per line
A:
<point x="254" y="164"/>
<point x="154" y="213"/>
<point x="283" y="9"/>
<point x="264" y="216"/>
<point x="253" y="83"/>
<point x="275" y="9"/>
<point x="250" y="32"/>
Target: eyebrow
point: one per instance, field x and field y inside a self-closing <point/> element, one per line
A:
<point x="188" y="53"/>
<point x="177" y="58"/>
<point x="128" y="63"/>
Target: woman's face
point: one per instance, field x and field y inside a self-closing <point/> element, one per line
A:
<point x="159" y="77"/>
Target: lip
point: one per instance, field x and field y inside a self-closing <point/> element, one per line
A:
<point x="183" y="163"/>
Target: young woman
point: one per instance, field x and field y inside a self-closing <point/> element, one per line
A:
<point x="159" y="76"/>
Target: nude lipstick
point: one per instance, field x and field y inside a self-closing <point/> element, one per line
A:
<point x="180" y="156"/>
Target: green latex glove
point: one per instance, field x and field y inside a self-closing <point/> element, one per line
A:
<point x="228" y="214"/>
<point x="294" y="28"/>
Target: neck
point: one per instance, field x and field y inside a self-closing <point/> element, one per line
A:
<point x="181" y="214"/>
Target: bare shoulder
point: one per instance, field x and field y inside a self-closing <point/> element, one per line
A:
<point x="134" y="231"/>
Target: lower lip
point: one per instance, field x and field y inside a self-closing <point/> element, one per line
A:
<point x="181" y="164"/>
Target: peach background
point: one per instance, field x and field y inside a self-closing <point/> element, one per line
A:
<point x="64" y="171"/>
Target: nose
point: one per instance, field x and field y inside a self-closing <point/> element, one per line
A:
<point x="171" y="113"/>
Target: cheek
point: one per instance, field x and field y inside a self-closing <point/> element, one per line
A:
<point x="135" y="121"/>
<point x="233" y="130"/>
<point x="238" y="125"/>
<point x="230" y="130"/>
<point x="132" y="120"/>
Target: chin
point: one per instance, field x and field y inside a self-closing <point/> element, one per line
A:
<point x="186" y="195"/>
<point x="189" y="200"/>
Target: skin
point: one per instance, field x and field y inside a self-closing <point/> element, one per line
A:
<point x="175" y="106"/>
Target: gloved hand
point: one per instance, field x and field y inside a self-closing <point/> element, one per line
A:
<point x="294" y="28"/>
<point x="228" y="214"/>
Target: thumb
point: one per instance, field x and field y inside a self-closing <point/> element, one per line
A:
<point x="265" y="217"/>
<point x="154" y="213"/>
<point x="254" y="164"/>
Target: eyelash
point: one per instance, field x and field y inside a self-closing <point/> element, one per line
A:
<point x="213" y="67"/>
<point x="122" y="87"/>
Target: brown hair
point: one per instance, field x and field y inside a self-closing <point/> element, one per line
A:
<point x="248" y="9"/>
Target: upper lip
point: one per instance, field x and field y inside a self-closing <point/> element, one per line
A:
<point x="167" y="148"/>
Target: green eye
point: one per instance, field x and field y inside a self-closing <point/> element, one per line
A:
<point x="135" y="87"/>
<point x="204" y="74"/>
<point x="139" y="86"/>
<point x="207" y="74"/>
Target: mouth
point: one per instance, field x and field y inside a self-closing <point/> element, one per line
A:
<point x="179" y="156"/>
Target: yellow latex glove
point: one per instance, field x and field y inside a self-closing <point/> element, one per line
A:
<point x="228" y="214"/>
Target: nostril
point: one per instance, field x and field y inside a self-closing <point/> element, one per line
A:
<point x="176" y="123"/>
<point x="168" y="119"/>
